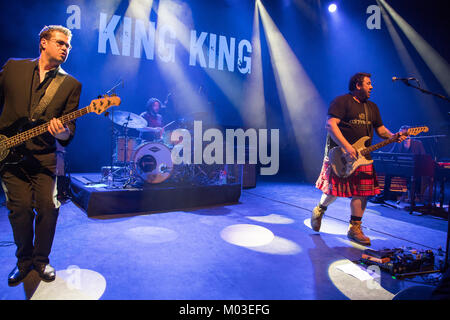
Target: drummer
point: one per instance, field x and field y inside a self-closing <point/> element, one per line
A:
<point x="154" y="131"/>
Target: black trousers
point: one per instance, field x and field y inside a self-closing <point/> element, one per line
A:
<point x="31" y="198"/>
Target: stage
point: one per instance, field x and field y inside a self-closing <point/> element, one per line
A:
<point x="96" y="198"/>
<point x="260" y="248"/>
<point x="192" y="133"/>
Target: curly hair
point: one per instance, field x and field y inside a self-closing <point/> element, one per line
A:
<point x="150" y="103"/>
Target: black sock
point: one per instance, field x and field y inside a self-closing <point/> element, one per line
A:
<point x="322" y="207"/>
<point x="355" y="218"/>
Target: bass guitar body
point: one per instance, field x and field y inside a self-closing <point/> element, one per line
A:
<point x="12" y="155"/>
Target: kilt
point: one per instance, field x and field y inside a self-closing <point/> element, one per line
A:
<point x="362" y="183"/>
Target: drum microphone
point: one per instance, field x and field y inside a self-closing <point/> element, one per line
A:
<point x="164" y="104"/>
<point x="403" y="79"/>
<point x="112" y="90"/>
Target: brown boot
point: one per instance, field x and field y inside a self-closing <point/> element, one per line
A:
<point x="316" y="217"/>
<point x="355" y="233"/>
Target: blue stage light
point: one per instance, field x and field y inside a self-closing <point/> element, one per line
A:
<point x="332" y="7"/>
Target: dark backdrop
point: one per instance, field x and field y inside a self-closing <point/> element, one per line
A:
<point x="330" y="49"/>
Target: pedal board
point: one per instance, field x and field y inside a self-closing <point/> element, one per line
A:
<point x="399" y="260"/>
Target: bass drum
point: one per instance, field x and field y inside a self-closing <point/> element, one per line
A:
<point x="152" y="161"/>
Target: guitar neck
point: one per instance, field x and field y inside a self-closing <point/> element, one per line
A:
<point x="377" y="146"/>
<point x="41" y="129"/>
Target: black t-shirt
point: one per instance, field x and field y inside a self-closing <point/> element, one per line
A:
<point x="353" y="124"/>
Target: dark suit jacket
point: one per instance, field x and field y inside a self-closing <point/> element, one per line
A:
<point x="15" y="94"/>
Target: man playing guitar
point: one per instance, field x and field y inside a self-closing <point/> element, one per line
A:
<point x="351" y="117"/>
<point x="33" y="90"/>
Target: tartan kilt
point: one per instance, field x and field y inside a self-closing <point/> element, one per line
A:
<point x="362" y="183"/>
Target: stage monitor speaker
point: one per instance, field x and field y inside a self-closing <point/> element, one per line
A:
<point x="249" y="176"/>
<point x="63" y="186"/>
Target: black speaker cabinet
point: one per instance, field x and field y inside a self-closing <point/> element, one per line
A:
<point x="249" y="176"/>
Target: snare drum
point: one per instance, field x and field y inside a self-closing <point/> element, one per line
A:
<point x="124" y="149"/>
<point x="152" y="161"/>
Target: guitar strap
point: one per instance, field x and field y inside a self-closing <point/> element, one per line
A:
<point x="49" y="94"/>
<point x="367" y="119"/>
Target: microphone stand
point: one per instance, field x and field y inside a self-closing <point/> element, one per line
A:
<point x="445" y="267"/>
<point x="111" y="172"/>
<point x="425" y="91"/>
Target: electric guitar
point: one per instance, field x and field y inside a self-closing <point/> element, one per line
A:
<point x="343" y="165"/>
<point x="9" y="155"/>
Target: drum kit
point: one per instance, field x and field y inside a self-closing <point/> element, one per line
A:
<point x="136" y="161"/>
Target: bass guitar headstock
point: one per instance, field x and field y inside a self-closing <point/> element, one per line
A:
<point x="103" y="103"/>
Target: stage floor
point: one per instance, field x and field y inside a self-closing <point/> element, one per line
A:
<point x="261" y="248"/>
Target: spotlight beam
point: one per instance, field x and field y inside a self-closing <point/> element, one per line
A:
<point x="434" y="61"/>
<point x="139" y="9"/>
<point x="408" y="63"/>
<point x="303" y="106"/>
<point x="253" y="109"/>
<point x="187" y="97"/>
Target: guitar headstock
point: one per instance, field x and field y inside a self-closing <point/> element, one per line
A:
<point x="100" y="105"/>
<point x="414" y="131"/>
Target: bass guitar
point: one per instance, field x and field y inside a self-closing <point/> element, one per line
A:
<point x="7" y="144"/>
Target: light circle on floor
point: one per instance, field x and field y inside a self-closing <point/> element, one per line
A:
<point x="247" y="235"/>
<point x="272" y="218"/>
<point x="73" y="283"/>
<point x="356" y="289"/>
<point x="147" y="234"/>
<point x="330" y="226"/>
<point x="279" y="246"/>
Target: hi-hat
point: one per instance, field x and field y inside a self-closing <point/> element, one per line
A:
<point x="128" y="119"/>
<point x="146" y="129"/>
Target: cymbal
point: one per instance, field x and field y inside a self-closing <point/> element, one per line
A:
<point x="128" y="119"/>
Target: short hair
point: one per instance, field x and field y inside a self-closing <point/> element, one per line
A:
<point x="47" y="32"/>
<point x="357" y="79"/>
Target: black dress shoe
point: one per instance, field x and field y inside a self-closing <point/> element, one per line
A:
<point x="46" y="272"/>
<point x="18" y="274"/>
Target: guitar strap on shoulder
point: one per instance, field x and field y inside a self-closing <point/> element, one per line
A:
<point x="49" y="94"/>
<point x="367" y="119"/>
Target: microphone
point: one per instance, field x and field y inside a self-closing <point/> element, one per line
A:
<point x="113" y="89"/>
<point x="164" y="104"/>
<point x="403" y="79"/>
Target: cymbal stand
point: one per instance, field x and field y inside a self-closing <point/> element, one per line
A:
<point x="110" y="176"/>
<point x="131" y="176"/>
<point x="127" y="161"/>
<point x="129" y="166"/>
